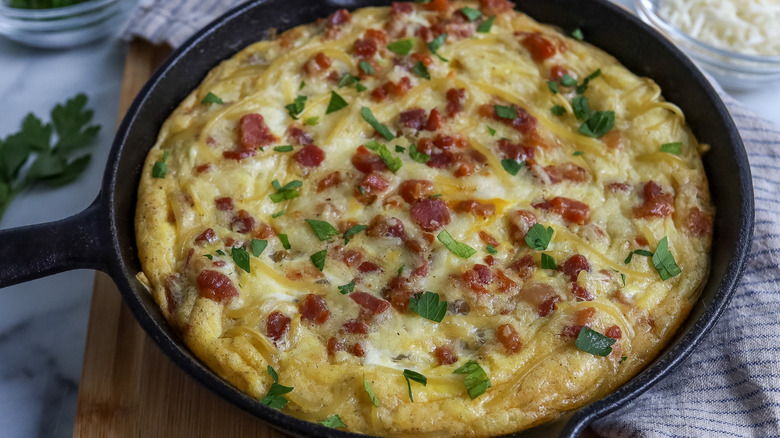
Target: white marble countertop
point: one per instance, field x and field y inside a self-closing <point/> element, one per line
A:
<point x="43" y="323"/>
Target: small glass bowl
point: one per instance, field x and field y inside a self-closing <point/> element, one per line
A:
<point x="733" y="70"/>
<point x="63" y="27"/>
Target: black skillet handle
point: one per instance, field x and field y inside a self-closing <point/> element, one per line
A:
<point x="35" y="251"/>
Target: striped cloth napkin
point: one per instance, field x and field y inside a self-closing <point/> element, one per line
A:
<point x="730" y="386"/>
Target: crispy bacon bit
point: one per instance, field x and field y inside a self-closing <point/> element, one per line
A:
<point x="441" y="160"/>
<point x="224" y="204"/>
<point x="509" y="338"/>
<point x="476" y="208"/>
<point x="641" y="240"/>
<point x="516" y="151"/>
<point x="203" y="168"/>
<point x="314" y="309"/>
<point x="614" y="332"/>
<point x="243" y="223"/>
<point x="366" y="162"/>
<point x="524" y="267"/>
<point x="456" y="98"/>
<point x="398" y="292"/>
<point x="571" y="331"/>
<point x="310" y="156"/>
<point x="422" y="57"/>
<point x="334" y="345"/>
<point x="264" y="231"/>
<point x="415" y="189"/>
<point x="574" y="265"/>
<point x="413" y="118"/>
<point x="571" y="210"/>
<point x="618" y="187"/>
<point x="299" y="135"/>
<point x="548" y="306"/>
<point x="584" y="316"/>
<point x="369" y="267"/>
<point x="277" y="325"/>
<point x="698" y="223"/>
<point x="207" y="236"/>
<point x="316" y="65"/>
<point x="566" y="171"/>
<point x="369" y="302"/>
<point x="365" y="48"/>
<point x="378" y="35"/>
<point x="520" y="222"/>
<point x="170" y="299"/>
<point x="435" y="120"/>
<point x="495" y="7"/>
<point x="393" y="89"/>
<point x="354" y="326"/>
<point x="372" y="184"/>
<point x="581" y="293"/>
<point x="383" y="226"/>
<point x="525" y="123"/>
<point x="446" y="142"/>
<point x="253" y="133"/>
<point x="216" y="286"/>
<point x="489" y="260"/>
<point x="488" y="239"/>
<point x="399" y="8"/>
<point x="557" y="72"/>
<point x="613" y="139"/>
<point x="437" y="5"/>
<point x="477" y="278"/>
<point x="350" y="257"/>
<point x="357" y="350"/>
<point x="430" y="214"/>
<point x="656" y="202"/>
<point x="332" y="179"/>
<point x="239" y="154"/>
<point x="339" y="17"/>
<point x="445" y="355"/>
<point x="229" y="241"/>
<point x="540" y="47"/>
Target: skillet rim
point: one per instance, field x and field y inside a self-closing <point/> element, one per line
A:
<point x="570" y="424"/>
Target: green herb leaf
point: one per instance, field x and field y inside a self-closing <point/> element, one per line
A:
<point x="212" y="98"/>
<point x="568" y="81"/>
<point x="577" y="153"/>
<point x="436" y="44"/>
<point x="303" y="84"/>
<point x="491" y="249"/>
<point x="593" y="342"/>
<point x="512" y="166"/>
<point x="428" y="306"/>
<point x="160" y="168"/>
<point x="553" y="86"/>
<point x="273" y="398"/>
<point x="420" y="157"/>
<point x="285" y="241"/>
<point x="220" y="252"/>
<point x="581" y="89"/>
<point x="642" y="252"/>
<point x="285" y="193"/>
<point x="538" y="237"/>
<point x="367" y="68"/>
<point x="296" y="108"/>
<point x="333" y="421"/>
<point x="311" y="121"/>
<point x="623" y="277"/>
<point x="664" y="262"/>
<point x="577" y="34"/>
<point x="486" y="25"/>
<point x="581" y="108"/>
<point x="401" y="269"/>
<point x="285" y="148"/>
<point x="272" y="373"/>
<point x="471" y="13"/>
<point x="360" y="88"/>
<point x="598" y="124"/>
<point x="401" y="47"/>
<point x="505" y="112"/>
<point x="622" y="359"/>
<point x="491" y="131"/>
<point x="208" y="256"/>
<point x="318" y="259"/>
<point x="417" y="377"/>
<point x="672" y="148"/>
<point x="558" y="110"/>
<point x="322" y="229"/>
<point x="347" y="288"/>
<point x="258" y="246"/>
<point x="393" y="162"/>
<point x="548" y="262"/>
<point x="70" y="173"/>
<point x="70" y="122"/>
<point x="421" y="70"/>
<point x="348" y="80"/>
<point x="368" y="116"/>
<point x="476" y="381"/>
<point x="400" y="149"/>
<point x="459" y="249"/>
<point x="336" y="103"/>
<point x="352" y="231"/>
<point x="370" y="391"/>
<point x="241" y="257"/>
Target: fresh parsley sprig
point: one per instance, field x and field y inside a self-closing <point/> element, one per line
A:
<point x="273" y="398"/>
<point x="459" y="249"/>
<point x="538" y="237"/>
<point x="417" y="377"/>
<point x="428" y="306"/>
<point x="593" y="342"/>
<point x="476" y="381"/>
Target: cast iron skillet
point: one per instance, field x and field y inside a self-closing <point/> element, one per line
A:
<point x="102" y="236"/>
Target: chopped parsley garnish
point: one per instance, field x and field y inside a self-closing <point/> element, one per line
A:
<point x="312" y="121"/>
<point x="241" y="257"/>
<point x="420" y="157"/>
<point x="623" y="278"/>
<point x="318" y="259"/>
<point x="303" y="84"/>
<point x="285" y="148"/>
<point x="598" y="124"/>
<point x="486" y="25"/>
<point x="347" y="288"/>
<point x="568" y="81"/>
<point x="352" y="231"/>
<point x="393" y="162"/>
<point x="538" y="237"/>
<point x="428" y="306"/>
<point x="672" y="148"/>
<point x="400" y="149"/>
<point x="362" y="190"/>
<point x="581" y="108"/>
<point x="577" y="153"/>
<point x="367" y="68"/>
<point x="370" y="391"/>
<point x="663" y="260"/>
<point x="212" y="98"/>
<point x="505" y="112"/>
<point x="476" y="381"/>
<point x="296" y="108"/>
<point x="417" y="377"/>
<point x="333" y="421"/>
<point x="558" y="110"/>
<point x="273" y="398"/>
<point x="258" y="246"/>
<point x="322" y="229"/>
<point x="368" y="116"/>
<point x="512" y="166"/>
<point x="491" y="249"/>
<point x="436" y="44"/>
<point x="401" y="47"/>
<point x="459" y="249"/>
<point x="553" y="86"/>
<point x="347" y="80"/>
<point x="288" y="191"/>
<point x="336" y="103"/>
<point x="277" y="214"/>
<point x="581" y="89"/>
<point x="593" y="342"/>
<point x="577" y="34"/>
<point x="160" y="168"/>
<point x="642" y="252"/>
<point x="208" y="256"/>
<point x="360" y="88"/>
<point x="220" y="252"/>
<point x="622" y="359"/>
<point x="421" y="70"/>
<point x="471" y="13"/>
<point x="401" y="270"/>
<point x="435" y="195"/>
<point x="548" y="262"/>
<point x="491" y="131"/>
<point x="285" y="241"/>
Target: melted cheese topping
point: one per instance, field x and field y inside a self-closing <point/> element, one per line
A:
<point x="535" y="375"/>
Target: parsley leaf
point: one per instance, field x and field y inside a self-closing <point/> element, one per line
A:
<point x="367" y="68"/>
<point x="506" y="112"/>
<point x="285" y="193"/>
<point x="296" y="108"/>
<point x="160" y="168"/>
<point x="258" y="246"/>
<point x="370" y="391"/>
<point x="558" y="110"/>
<point x="581" y="108"/>
<point x="577" y="153"/>
<point x="69" y="122"/>
<point x="212" y="98"/>
<point x="336" y="103"/>
<point x="663" y="260"/>
<point x="642" y="252"/>
<point x="322" y="229"/>
<point x="318" y="259"/>
<point x="368" y="116"/>
<point x="303" y="84"/>
<point x="220" y="252"/>
<point x="538" y="237"/>
<point x="593" y="342"/>
<point x="512" y="166"/>
<point x="347" y="288"/>
<point x="598" y="124"/>
<point x="568" y="81"/>
<point x="352" y="231"/>
<point x="491" y="249"/>
<point x="285" y="241"/>
<point x="241" y="257"/>
<point x="393" y="162"/>
<point x="273" y="398"/>
<point x="553" y="86"/>
<point x="476" y="381"/>
<point x="471" y="13"/>
<point x="417" y="377"/>
<point x="548" y="262"/>
<point x="420" y="157"/>
<point x="428" y="306"/>
<point x="311" y="121"/>
<point x="347" y="80"/>
<point x="577" y="34"/>
<point x="400" y="149"/>
<point x="436" y="44"/>
<point x="285" y="148"/>
<point x="672" y="148"/>
<point x="491" y="131"/>
<point x="333" y="421"/>
<point x="421" y="70"/>
<point x="581" y="89"/>
<point x="459" y="249"/>
<point x="486" y="25"/>
<point x="401" y="47"/>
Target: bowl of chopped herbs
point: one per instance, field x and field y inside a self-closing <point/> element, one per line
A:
<point x="60" y="23"/>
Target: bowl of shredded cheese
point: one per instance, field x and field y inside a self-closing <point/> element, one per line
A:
<point x="737" y="41"/>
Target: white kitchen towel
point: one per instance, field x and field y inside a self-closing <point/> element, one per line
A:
<point x="730" y="386"/>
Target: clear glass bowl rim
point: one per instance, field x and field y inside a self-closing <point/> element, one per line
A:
<point x="648" y="8"/>
<point x="54" y="13"/>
